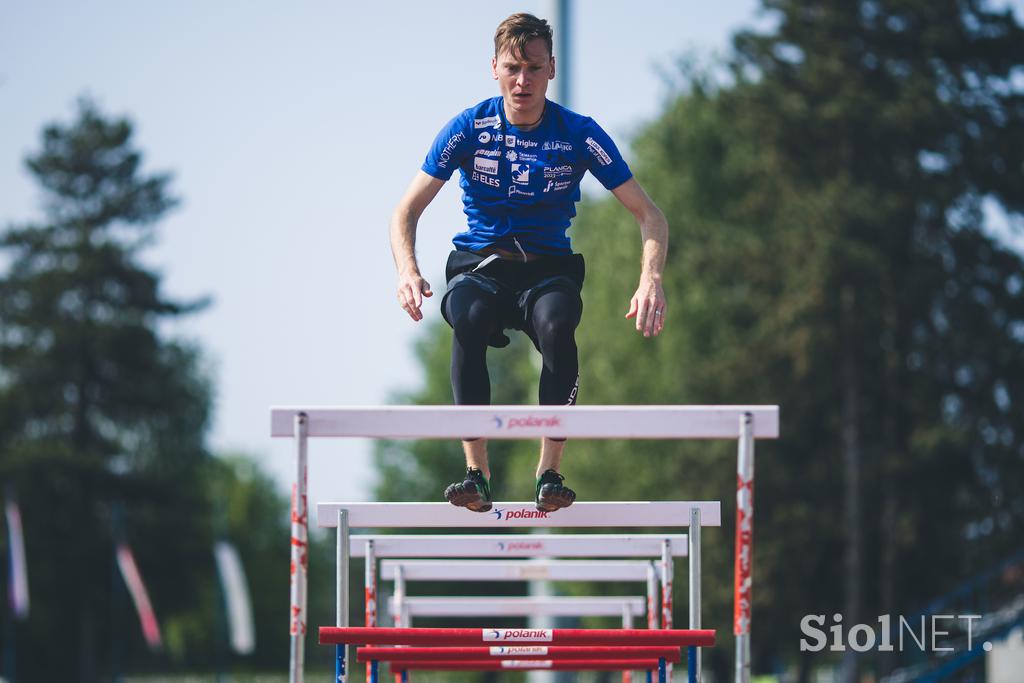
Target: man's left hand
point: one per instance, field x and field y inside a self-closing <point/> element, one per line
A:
<point x="648" y="306"/>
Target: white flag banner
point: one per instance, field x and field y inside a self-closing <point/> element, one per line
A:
<point x="132" y="578"/>
<point x="17" y="586"/>
<point x="236" y="598"/>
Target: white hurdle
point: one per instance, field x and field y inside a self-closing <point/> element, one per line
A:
<point x="516" y="570"/>
<point x="516" y="545"/>
<point x="667" y="514"/>
<point x="743" y="423"/>
<point x="400" y="571"/>
<point x="539" y="547"/>
<point x="522" y="606"/>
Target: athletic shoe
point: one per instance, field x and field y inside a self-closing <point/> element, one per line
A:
<point x="474" y="492"/>
<point x="551" y="494"/>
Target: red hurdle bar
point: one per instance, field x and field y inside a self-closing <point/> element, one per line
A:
<point x="529" y="665"/>
<point x="339" y="635"/>
<point x="528" y="652"/>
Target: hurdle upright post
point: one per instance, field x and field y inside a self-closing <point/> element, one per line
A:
<point x="652" y="595"/>
<point x="744" y="546"/>
<point x="693" y="538"/>
<point x="667" y="577"/>
<point x="299" y="553"/>
<point x="343" y="556"/>
<point x="398" y="614"/>
<point x="370" y="600"/>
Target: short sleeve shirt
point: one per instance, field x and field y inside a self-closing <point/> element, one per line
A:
<point x="522" y="185"/>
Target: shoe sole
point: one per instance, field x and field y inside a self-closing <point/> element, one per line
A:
<point x="470" y="499"/>
<point x="553" y="502"/>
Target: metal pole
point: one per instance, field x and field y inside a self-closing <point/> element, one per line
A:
<point x="341" y="617"/>
<point x="370" y="589"/>
<point x="744" y="546"/>
<point x="300" y="556"/>
<point x="560" y="17"/>
<point x="398" y="614"/>
<point x="627" y="622"/>
<point x="667" y="572"/>
<point x="693" y="653"/>
<point x="652" y="596"/>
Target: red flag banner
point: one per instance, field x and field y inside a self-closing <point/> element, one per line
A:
<point x="132" y="578"/>
<point x="17" y="587"/>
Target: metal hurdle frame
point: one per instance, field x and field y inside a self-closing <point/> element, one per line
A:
<point x="347" y="516"/>
<point x="537" y="547"/>
<point x="644" y="571"/>
<point x="526" y="570"/>
<point x="744" y="423"/>
<point x="624" y="606"/>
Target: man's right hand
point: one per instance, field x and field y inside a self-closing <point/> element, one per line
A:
<point x="411" y="290"/>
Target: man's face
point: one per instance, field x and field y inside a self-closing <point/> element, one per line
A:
<point x="523" y="80"/>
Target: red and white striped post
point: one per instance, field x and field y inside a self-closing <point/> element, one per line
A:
<point x="299" y="555"/>
<point x="667" y="577"/>
<point x="744" y="546"/>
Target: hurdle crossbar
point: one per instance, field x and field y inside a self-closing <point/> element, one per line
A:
<point x="521" y="606"/>
<point x="506" y="515"/>
<point x="527" y="422"/>
<point x="426" y="654"/>
<point x="517" y="545"/>
<point x="528" y="665"/>
<point x="369" y="635"/>
<point x="516" y="570"/>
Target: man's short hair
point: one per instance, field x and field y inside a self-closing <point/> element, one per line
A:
<point x="518" y="30"/>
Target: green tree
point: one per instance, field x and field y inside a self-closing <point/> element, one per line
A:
<point x="895" y="122"/>
<point x="95" y="407"/>
<point x="830" y="253"/>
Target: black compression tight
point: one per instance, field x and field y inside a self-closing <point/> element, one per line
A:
<point x="474" y="317"/>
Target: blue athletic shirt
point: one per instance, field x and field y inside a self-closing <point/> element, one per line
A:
<point x="522" y="185"/>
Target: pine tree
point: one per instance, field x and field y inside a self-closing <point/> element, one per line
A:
<point x="96" y="407"/>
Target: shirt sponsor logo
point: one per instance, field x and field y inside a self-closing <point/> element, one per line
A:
<point x="486" y="165"/>
<point x="514" y="189"/>
<point x="518" y="650"/>
<point x="510" y="140"/>
<point x="557" y="185"/>
<point x="511" y="155"/>
<point x="498" y="137"/>
<point x="522" y="635"/>
<point x="598" y="151"/>
<point x="526" y="144"/>
<point x="558" y="171"/>
<point x="520" y="173"/>
<point x="446" y="153"/>
<point x="486" y="179"/>
<point x="488" y="152"/>
<point x="557" y="145"/>
<point x="526" y="156"/>
<point x="484" y="137"/>
<point x="489" y="122"/>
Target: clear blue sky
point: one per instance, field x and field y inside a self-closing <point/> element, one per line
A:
<point x="293" y="129"/>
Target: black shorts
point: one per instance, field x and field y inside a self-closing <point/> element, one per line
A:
<point x="514" y="285"/>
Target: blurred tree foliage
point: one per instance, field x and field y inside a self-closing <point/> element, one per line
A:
<point x="831" y="198"/>
<point x="98" y="412"/>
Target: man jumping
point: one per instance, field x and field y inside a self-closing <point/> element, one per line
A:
<point x="521" y="159"/>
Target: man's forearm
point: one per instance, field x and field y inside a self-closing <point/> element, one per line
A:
<point x="403" y="241"/>
<point x="654" y="233"/>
